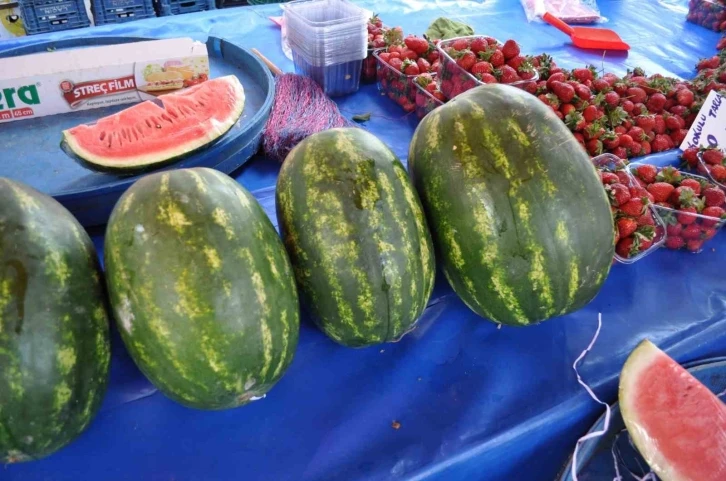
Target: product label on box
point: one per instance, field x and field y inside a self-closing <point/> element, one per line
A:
<point x="65" y="89"/>
<point x="709" y="128"/>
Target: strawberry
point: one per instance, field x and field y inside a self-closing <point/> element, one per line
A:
<point x="410" y="68"/>
<point x="583" y="91"/>
<point x="636" y="133"/>
<point x="685" y="97"/>
<point x="708" y="233"/>
<point x="620" y="152"/>
<point x="645" y="122"/>
<point x="660" y="143"/>
<point x="660" y="126"/>
<point x="674" y="229"/>
<point x="686" y="215"/>
<point x="496" y="58"/>
<point x="612" y="99"/>
<point x="627" y="247"/>
<point x="517" y="62"/>
<point x="672" y="122"/>
<point x="716" y="212"/>
<point x="396" y="63"/>
<point x="639" y="192"/>
<point x="566" y="109"/>
<point x="407" y="53"/>
<point x="626" y="226"/>
<point x="510" y="49"/>
<point x="564" y="92"/>
<point x="439" y="95"/>
<point x="692" y="231"/>
<point x="712" y="62"/>
<point x="633" y="208"/>
<point x="636" y="94"/>
<point x="645" y="172"/>
<point x="645" y="147"/>
<point x="417" y="44"/>
<point x="600" y="85"/>
<point x="656" y="102"/>
<point x="488" y="78"/>
<point x="466" y="60"/>
<point x="432" y="56"/>
<point x="623" y="177"/>
<point x="714" y="197"/>
<point x="625" y="141"/>
<point x="460" y="44"/>
<point x="646" y="219"/>
<point x="712" y="156"/>
<point x="690" y="156"/>
<point x="675" y="242"/>
<point x="718" y="172"/>
<point x="610" y="141"/>
<point x="645" y="244"/>
<point x="590" y="113"/>
<point x="479" y="44"/>
<point x="508" y="75"/>
<point x="594" y="147"/>
<point x="481" y="68"/>
<point x="423" y="65"/>
<point x="694" y="245"/>
<point x="660" y="191"/>
<point x="556" y="77"/>
<point x="628" y="106"/>
<point x="683" y="196"/>
<point x="619" y="194"/>
<point x="693" y="184"/>
<point x="610" y="178"/>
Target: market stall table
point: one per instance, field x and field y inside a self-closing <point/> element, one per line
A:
<point x="457" y="399"/>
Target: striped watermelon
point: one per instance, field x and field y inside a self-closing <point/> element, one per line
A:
<point x="357" y="237"/>
<point x="517" y="213"/>
<point x="54" y="342"/>
<point x="201" y="287"/>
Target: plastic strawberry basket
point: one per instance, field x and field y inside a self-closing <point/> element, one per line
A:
<point x="43" y="16"/>
<point x="455" y="80"/>
<point x="611" y="163"/>
<point x="425" y="101"/>
<point x="707" y="13"/>
<point x="121" y="11"/>
<point x="704" y="169"/>
<point x="669" y="216"/>
<point x="398" y="86"/>
<point x="164" y="8"/>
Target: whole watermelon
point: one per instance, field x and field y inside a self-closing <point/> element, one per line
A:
<point x="516" y="209"/>
<point x="54" y="341"/>
<point x="356" y="235"/>
<point x="201" y="288"/>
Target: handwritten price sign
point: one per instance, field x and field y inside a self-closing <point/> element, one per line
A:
<point x="709" y="128"/>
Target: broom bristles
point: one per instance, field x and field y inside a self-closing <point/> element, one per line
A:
<point x="300" y="109"/>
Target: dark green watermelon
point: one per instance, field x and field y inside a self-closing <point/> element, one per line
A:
<point x="519" y="218"/>
<point x="357" y="237"/>
<point x="201" y="288"/>
<point x="54" y="341"/>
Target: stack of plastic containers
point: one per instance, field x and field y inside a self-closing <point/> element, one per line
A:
<point x="42" y="16"/>
<point x="177" y="7"/>
<point x="328" y="39"/>
<point x="120" y="11"/>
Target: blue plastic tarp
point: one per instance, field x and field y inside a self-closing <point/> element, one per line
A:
<point x="474" y="402"/>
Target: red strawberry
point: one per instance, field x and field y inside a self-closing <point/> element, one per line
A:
<point x="590" y="113"/>
<point x="423" y="65"/>
<point x="612" y="99"/>
<point x="508" y="75"/>
<point x="636" y="95"/>
<point x="623" y="177"/>
<point x="716" y="212"/>
<point x="633" y="208"/>
<point x="628" y="106"/>
<point x="488" y="78"/>
<point x="712" y="156"/>
<point x="660" y="143"/>
<point x="479" y="44"/>
<point x="396" y="63"/>
<point x="620" y="194"/>
<point x="582" y="75"/>
<point x="718" y="172"/>
<point x="626" y="226"/>
<point x="432" y="56"/>
<point x="461" y="44"/>
<point x="640" y="192"/>
<point x="656" y="102"/>
<point x="675" y="242"/>
<point x="645" y="122"/>
<point x="609" y="178"/>
<point x="712" y="62"/>
<point x="496" y="58"/>
<point x="714" y="197"/>
<point x="556" y="77"/>
<point x="516" y="62"/>
<point x="645" y="147"/>
<point x="620" y="152"/>
<point x="583" y="91"/>
<point x="564" y="92"/>
<point x="646" y="172"/>
<point x="660" y="191"/>
<point x="627" y="247"/>
<point x="466" y="60"/>
<point x="600" y="85"/>
<point x="626" y="141"/>
<point x="708" y="233"/>
<point x="693" y="184"/>
<point x="674" y="229"/>
<point x="645" y="244"/>
<point x="690" y="155"/>
<point x="686" y="215"/>
<point x="636" y="133"/>
<point x="417" y="44"/>
<point x="594" y="147"/>
<point x="685" y="97"/>
<point x="407" y="53"/>
<point x="510" y="49"/>
<point x="646" y="219"/>
<point x="566" y="109"/>
<point x="694" y="245"/>
<point x="611" y="141"/>
<point x="410" y="68"/>
<point x="692" y="231"/>
<point x="660" y="126"/>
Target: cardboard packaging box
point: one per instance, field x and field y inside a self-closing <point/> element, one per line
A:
<point x="86" y="78"/>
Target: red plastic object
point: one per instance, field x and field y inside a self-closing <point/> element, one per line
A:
<point x="590" y="38"/>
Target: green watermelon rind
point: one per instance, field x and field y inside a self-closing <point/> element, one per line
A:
<point x="175" y="153"/>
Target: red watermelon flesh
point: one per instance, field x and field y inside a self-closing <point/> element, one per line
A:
<point x="147" y="134"/>
<point x="677" y="423"/>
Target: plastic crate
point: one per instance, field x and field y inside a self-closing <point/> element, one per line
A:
<point x="120" y="11"/>
<point x="164" y="8"/>
<point x="41" y="16"/>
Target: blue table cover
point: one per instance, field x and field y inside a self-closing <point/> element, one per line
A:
<point x="474" y="402"/>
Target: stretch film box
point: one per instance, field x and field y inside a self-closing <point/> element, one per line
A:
<point x="87" y="78"/>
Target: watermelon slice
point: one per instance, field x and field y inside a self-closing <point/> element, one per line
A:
<point x="147" y="135"/>
<point x="677" y="424"/>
